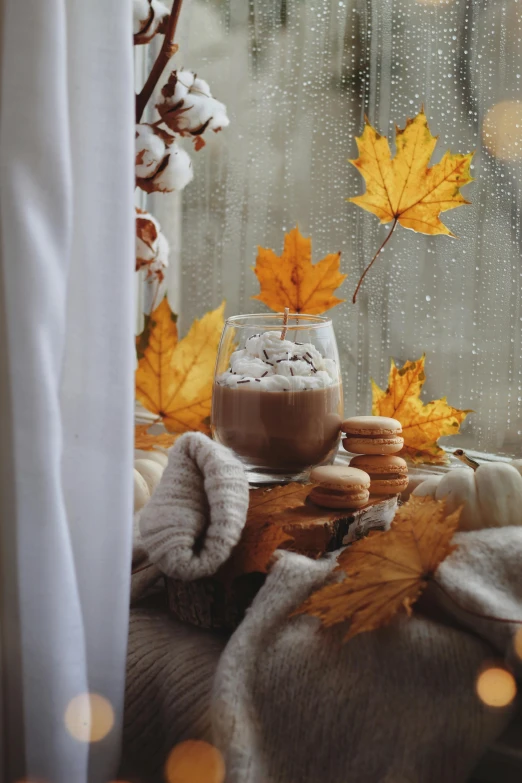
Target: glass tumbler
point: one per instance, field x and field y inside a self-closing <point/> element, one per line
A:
<point x="277" y="398"/>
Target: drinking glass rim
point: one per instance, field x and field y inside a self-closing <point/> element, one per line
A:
<point x="317" y="321"/>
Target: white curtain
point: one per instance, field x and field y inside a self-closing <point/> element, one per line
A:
<point x="66" y="379"/>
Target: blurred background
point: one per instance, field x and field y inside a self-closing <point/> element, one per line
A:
<point x="297" y="77"/>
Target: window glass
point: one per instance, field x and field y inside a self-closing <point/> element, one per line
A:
<point x="298" y="76"/>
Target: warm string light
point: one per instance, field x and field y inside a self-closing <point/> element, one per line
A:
<point x="194" y="761"/>
<point x="89" y="717"/>
<point x="496" y="687"/>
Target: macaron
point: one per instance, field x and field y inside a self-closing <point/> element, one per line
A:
<point x="339" y="487"/>
<point x="372" y="435"/>
<point x="388" y="473"/>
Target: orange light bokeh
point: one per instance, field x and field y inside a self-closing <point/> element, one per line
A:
<point x="195" y="761"/>
<point x="89" y="717"/>
<point x="502" y="130"/>
<point x="496" y="687"/>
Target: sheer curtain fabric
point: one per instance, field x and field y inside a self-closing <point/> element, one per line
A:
<point x="66" y="379"/>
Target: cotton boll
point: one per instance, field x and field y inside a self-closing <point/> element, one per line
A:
<point x="157" y="266"/>
<point x="140" y="13"/>
<point x="147" y="233"/>
<point x="150" y="151"/>
<point x="152" y="248"/>
<point x="177" y="173"/>
<point x="188" y="107"/>
<point x="148" y="19"/>
<point x="207" y="109"/>
<point x="174" y="172"/>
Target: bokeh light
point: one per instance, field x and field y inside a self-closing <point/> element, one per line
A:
<point x="496" y="687"/>
<point x="195" y="761"/>
<point x="89" y="717"/>
<point x="502" y="130"/>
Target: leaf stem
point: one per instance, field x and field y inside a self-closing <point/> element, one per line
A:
<point x="168" y="48"/>
<point x="359" y="284"/>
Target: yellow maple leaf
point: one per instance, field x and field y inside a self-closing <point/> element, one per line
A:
<point x="422" y="424"/>
<point x="387" y="571"/>
<point x="291" y="280"/>
<point x="174" y="378"/>
<point x="403" y="190"/>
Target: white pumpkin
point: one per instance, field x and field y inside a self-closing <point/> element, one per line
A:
<point x="491" y="496"/>
<point x="141" y="491"/>
<point x="517" y="463"/>
<point x="151" y="472"/>
<point x="161" y="457"/>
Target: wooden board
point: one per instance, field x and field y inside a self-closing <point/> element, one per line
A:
<point x="315" y="530"/>
<point x="208" y="603"/>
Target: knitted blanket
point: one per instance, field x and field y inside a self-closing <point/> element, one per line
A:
<point x="288" y="702"/>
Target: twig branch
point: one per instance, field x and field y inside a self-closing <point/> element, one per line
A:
<point x="285" y="322"/>
<point x="359" y="284"/>
<point x="168" y="48"/>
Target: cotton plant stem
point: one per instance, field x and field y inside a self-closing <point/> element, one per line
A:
<point x="168" y="48"/>
<point x="359" y="284"/>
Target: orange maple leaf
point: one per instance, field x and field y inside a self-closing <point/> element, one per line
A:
<point x="148" y="441"/>
<point x="271" y="515"/>
<point x="386" y="572"/>
<point x="422" y="424"/>
<point x="291" y="280"/>
<point x="174" y="378"/>
<point x="403" y="190"/>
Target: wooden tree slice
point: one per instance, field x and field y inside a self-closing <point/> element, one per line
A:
<point x="303" y="527"/>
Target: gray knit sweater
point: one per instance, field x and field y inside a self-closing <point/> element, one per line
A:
<point x="288" y="702"/>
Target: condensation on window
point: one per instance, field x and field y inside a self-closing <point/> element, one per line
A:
<point x="298" y="76"/>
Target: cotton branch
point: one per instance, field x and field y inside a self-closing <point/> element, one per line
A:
<point x="168" y="49"/>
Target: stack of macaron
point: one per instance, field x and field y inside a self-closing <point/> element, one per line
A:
<point x="377" y="439"/>
<point x="377" y="470"/>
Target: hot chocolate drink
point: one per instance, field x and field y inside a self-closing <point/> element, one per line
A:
<point x="279" y="405"/>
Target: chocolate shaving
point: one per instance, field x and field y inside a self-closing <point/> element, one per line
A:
<point x="265" y="354"/>
<point x="247" y="380"/>
<point x="291" y="371"/>
<point x="308" y="354"/>
<point x="257" y="380"/>
<point x="265" y="373"/>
